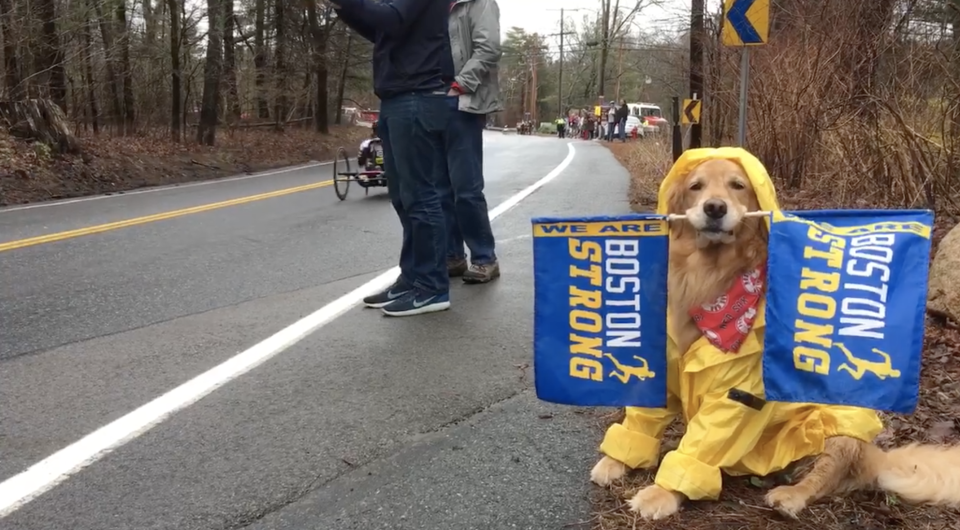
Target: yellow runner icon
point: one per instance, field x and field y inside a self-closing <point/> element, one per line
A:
<point x="857" y="367"/>
<point x="624" y="373"/>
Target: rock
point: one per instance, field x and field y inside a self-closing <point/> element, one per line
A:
<point x="943" y="293"/>
<point x="40" y="120"/>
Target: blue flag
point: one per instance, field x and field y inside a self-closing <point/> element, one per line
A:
<point x="845" y="307"/>
<point x="600" y="310"/>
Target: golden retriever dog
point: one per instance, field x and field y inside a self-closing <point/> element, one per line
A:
<point x="712" y="248"/>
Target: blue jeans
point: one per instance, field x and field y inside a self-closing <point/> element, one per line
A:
<point x="464" y="204"/>
<point x="623" y="130"/>
<point x="413" y="127"/>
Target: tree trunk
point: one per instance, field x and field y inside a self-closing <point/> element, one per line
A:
<point x="88" y="75"/>
<point x="149" y="22"/>
<point x="260" y="60"/>
<point x="280" y="67"/>
<point x="230" y="61"/>
<point x="112" y="79"/>
<point x="50" y="54"/>
<point x="40" y="120"/>
<point x="175" y="68"/>
<point x="342" y="84"/>
<point x="872" y="21"/>
<point x="11" y="62"/>
<point x="952" y="19"/>
<point x="129" y="112"/>
<point x="207" y="129"/>
<point x="319" y="34"/>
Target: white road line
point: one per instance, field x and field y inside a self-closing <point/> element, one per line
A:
<point x="513" y="239"/>
<point x="162" y="188"/>
<point x="39" y="478"/>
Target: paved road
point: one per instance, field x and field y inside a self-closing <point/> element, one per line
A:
<point x="366" y="423"/>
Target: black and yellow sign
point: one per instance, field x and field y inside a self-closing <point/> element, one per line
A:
<point x="747" y="23"/>
<point x="691" y="111"/>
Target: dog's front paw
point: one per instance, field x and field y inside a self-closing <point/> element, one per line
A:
<point x="788" y="500"/>
<point x="607" y="470"/>
<point x="654" y="502"/>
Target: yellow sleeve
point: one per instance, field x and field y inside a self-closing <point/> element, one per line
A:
<point x="636" y="441"/>
<point x="720" y="435"/>
<point x="723" y="430"/>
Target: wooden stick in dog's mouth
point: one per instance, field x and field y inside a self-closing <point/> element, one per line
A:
<point x="682" y="217"/>
<point x="705" y="239"/>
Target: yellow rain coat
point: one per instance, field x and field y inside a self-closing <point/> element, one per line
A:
<point x="723" y="433"/>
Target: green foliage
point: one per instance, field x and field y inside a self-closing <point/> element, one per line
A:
<point x="42" y="151"/>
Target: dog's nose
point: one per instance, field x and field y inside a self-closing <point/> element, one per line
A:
<point x="715" y="208"/>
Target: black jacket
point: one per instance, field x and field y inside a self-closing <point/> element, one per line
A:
<point x="623" y="112"/>
<point x="411" y="46"/>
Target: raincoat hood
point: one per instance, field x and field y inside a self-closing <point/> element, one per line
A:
<point x="691" y="158"/>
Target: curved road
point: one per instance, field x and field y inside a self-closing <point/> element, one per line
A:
<point x="353" y="421"/>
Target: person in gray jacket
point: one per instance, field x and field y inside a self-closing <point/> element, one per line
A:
<point x="475" y="47"/>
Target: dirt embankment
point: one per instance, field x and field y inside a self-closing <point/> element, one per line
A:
<point x="29" y="172"/>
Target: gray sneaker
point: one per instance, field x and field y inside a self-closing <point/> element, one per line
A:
<point x="456" y="267"/>
<point x="482" y="273"/>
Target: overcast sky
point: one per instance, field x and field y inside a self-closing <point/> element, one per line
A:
<point x="543" y="16"/>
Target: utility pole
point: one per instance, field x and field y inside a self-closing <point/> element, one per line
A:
<point x="619" y="67"/>
<point x="605" y="43"/>
<point x="560" y="83"/>
<point x="696" y="64"/>
<point x="563" y="33"/>
<point x="533" y="85"/>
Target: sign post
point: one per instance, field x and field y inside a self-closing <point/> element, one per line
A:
<point x="677" y="136"/>
<point x="746" y="24"/>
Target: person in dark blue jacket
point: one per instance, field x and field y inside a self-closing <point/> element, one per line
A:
<point x="412" y="72"/>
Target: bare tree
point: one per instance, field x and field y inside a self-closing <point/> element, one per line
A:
<point x="50" y="58"/>
<point x="11" y="63"/>
<point x="319" y="36"/>
<point x="174" y="7"/>
<point x="123" y="32"/>
<point x="207" y="129"/>
<point x="230" y="61"/>
<point x="614" y="23"/>
<point x="88" y="78"/>
<point x="134" y="65"/>
<point x="280" y="65"/>
<point x="260" y="59"/>
<point x="106" y="34"/>
<point x="344" y="70"/>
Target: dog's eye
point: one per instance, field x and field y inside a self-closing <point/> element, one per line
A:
<point x="737" y="185"/>
<point x="696" y="186"/>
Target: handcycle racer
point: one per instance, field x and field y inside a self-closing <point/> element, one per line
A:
<point x="370" y="158"/>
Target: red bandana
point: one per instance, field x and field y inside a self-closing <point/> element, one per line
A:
<point x="738" y="307"/>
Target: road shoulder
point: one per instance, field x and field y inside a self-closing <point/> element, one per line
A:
<point x="518" y="464"/>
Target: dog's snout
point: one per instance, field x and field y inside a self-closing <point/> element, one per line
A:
<point x="715" y="208"/>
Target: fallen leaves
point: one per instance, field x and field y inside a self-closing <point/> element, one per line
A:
<point x="110" y="164"/>
<point x="942" y="431"/>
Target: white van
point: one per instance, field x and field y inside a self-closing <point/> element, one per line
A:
<point x="649" y="112"/>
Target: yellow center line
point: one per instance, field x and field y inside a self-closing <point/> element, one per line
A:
<point x="70" y="234"/>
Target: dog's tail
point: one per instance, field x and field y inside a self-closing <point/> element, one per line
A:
<point x="922" y="474"/>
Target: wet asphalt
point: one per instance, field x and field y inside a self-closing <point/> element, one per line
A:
<point x="368" y="423"/>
